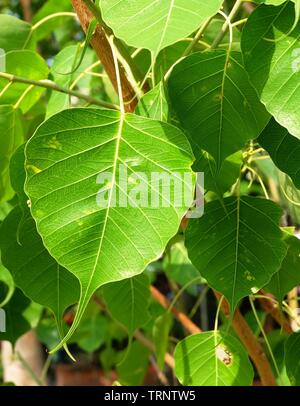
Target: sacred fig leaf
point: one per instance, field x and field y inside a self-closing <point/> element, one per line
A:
<point x="237" y="245"/>
<point x="213" y="358"/>
<point x="11" y="137"/>
<point x="292" y="358"/>
<point x="94" y="196"/>
<point x="26" y="64"/>
<point x="156" y="24"/>
<point x="33" y="269"/>
<point x="128" y="301"/>
<point x="154" y="104"/>
<point x="271" y="55"/>
<point x="15" y="33"/>
<point x="288" y="276"/>
<point x="16" y="324"/>
<point x="283" y="148"/>
<point x="215" y="103"/>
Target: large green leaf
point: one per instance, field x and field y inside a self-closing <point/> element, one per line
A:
<point x="215" y="103"/>
<point x="16" y="323"/>
<point x="128" y="301"/>
<point x="292" y="358"/>
<point x="11" y="137"/>
<point x="27" y="64"/>
<point x="156" y="24"/>
<point x="283" y="148"/>
<point x="288" y="275"/>
<point x="212" y="359"/>
<point x="270" y="54"/>
<point x="33" y="269"/>
<point x="237" y="245"/>
<point x="14" y="33"/>
<point x="82" y="224"/>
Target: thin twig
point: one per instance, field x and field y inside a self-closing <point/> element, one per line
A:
<point x="48" y="84"/>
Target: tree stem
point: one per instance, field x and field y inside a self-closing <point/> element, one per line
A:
<point x="47" y="84"/>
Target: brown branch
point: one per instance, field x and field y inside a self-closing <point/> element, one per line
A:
<point x="272" y="309"/>
<point x="102" y="48"/>
<point x="26" y="8"/>
<point x="251" y="343"/>
<point x="187" y="323"/>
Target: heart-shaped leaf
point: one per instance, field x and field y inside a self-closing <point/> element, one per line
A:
<point x="215" y="103"/>
<point x="156" y="24"/>
<point x="271" y="55"/>
<point x="213" y="358"/>
<point x="98" y="219"/>
<point x="237" y="245"/>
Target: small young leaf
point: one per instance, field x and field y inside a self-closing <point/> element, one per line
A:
<point x="154" y="104"/>
<point x="161" y="331"/>
<point x="133" y="368"/>
<point x="212" y="359"/>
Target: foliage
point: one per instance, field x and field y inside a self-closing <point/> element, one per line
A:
<point x="102" y="266"/>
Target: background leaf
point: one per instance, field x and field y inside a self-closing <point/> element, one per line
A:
<point x="212" y="359"/>
<point x="237" y="245"/>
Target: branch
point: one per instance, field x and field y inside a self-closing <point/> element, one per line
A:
<point x="26" y="8"/>
<point x="48" y="84"/>
<point x="102" y="48"/>
<point x="271" y="308"/>
<point x="189" y="325"/>
<point x="251" y="343"/>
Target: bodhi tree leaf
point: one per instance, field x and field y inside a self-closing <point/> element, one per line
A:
<point x="101" y="208"/>
<point x="33" y="269"/>
<point x="128" y="301"/>
<point x="14" y="33"/>
<point x="215" y="103"/>
<point x="283" y="148"/>
<point x="290" y="196"/>
<point x="154" y="104"/>
<point x="156" y="24"/>
<point x="288" y="275"/>
<point x="26" y="64"/>
<point x="271" y="57"/>
<point x="212" y="359"/>
<point x="237" y="245"/>
<point x="11" y="137"/>
<point x="16" y="322"/>
<point x="292" y="358"/>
